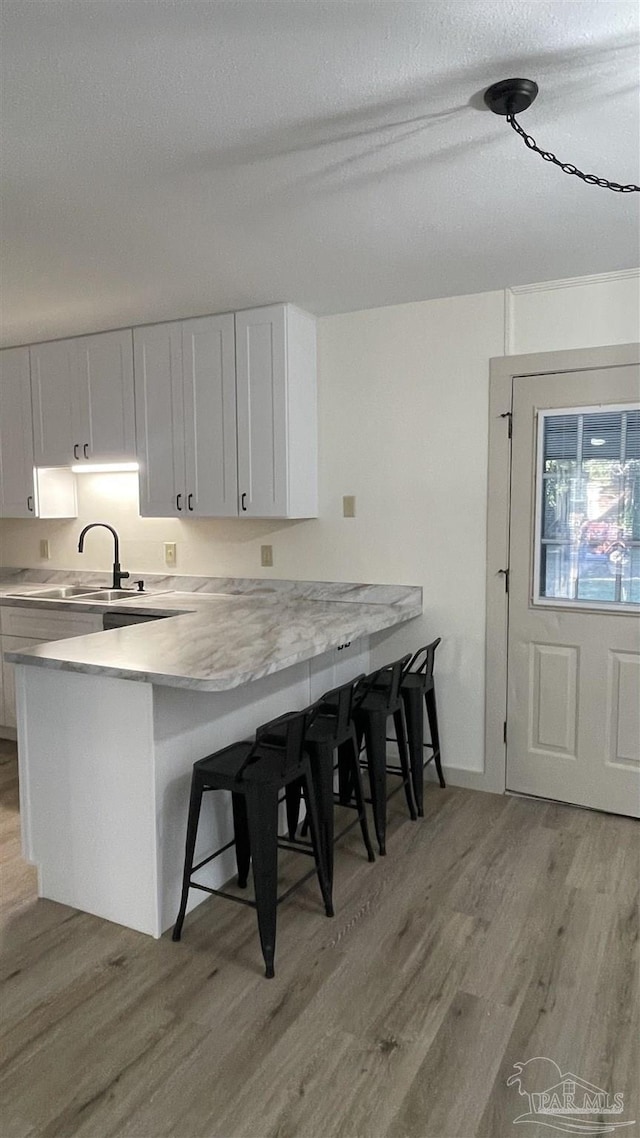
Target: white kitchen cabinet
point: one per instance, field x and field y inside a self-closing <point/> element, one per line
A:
<point x="17" y="483"/>
<point x="25" y="628"/>
<point x="186" y="418"/>
<point x="226" y="416"/>
<point x="25" y="491"/>
<point x="52" y="371"/>
<point x="277" y="412"/>
<point x="103" y="415"/>
<point x="82" y="396"/>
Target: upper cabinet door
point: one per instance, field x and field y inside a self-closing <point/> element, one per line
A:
<point x="104" y="422"/>
<point x="17" y="491"/>
<point x="209" y="372"/>
<point x="53" y="386"/>
<point x="277" y="413"/>
<point x="157" y="352"/>
<point x="262" y="411"/>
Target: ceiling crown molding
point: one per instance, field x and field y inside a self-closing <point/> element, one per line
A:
<point x="572" y="282"/>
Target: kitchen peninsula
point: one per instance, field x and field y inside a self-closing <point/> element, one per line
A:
<point x="110" y="724"/>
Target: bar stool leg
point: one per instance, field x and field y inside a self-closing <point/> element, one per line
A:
<point x="321" y="766"/>
<point x="375" y="737"/>
<point x="312" y="814"/>
<point x="241" y="835"/>
<point x="262" y="818"/>
<point x="401" y="739"/>
<point x="432" y="715"/>
<point x="414" y="719"/>
<point x="195" y="801"/>
<point x="358" y="793"/>
<point x="293" y="794"/>
<point x="345" y="782"/>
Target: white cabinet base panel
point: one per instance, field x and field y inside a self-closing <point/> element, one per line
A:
<point x="105" y="771"/>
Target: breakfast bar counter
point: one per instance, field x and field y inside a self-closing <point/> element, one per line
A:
<point x="110" y="724"/>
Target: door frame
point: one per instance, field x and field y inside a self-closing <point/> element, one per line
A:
<point x="503" y="370"/>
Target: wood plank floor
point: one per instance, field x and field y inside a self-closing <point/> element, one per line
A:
<point x="496" y="930"/>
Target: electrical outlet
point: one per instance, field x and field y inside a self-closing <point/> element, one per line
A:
<point x="266" y="555"/>
<point x="170" y="553"/>
<point x="45" y="552"/>
<point x="349" y="506"/>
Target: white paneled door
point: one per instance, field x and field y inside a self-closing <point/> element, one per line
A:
<point x="573" y="720"/>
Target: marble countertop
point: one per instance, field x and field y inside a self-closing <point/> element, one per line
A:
<point x="213" y="641"/>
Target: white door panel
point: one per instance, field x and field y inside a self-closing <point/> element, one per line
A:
<point x="208" y="347"/>
<point x="160" y="420"/>
<point x="573" y="724"/>
<point x="17" y="490"/>
<point x="261" y="362"/>
<point x="53" y="385"/>
<point x="105" y="424"/>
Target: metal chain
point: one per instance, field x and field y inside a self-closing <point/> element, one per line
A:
<point x="590" y="179"/>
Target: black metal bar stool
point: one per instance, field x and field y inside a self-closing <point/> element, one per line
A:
<point x="378" y="700"/>
<point x="417" y="682"/>
<point x="256" y="774"/>
<point x="332" y="729"/>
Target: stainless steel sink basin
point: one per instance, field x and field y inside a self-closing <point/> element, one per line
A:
<point x="107" y="595"/>
<point x="63" y="593"/>
<point x="86" y="593"/>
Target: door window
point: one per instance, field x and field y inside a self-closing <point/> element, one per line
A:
<point x="587" y="548"/>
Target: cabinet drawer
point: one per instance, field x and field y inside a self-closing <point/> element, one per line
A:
<point x="44" y="624"/>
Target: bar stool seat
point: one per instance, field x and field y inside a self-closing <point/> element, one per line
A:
<point x="256" y="774"/>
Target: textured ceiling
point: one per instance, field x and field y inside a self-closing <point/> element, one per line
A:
<point x="164" y="159"/>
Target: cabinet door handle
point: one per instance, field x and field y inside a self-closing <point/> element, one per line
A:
<point x="30" y="503"/>
<point x="178" y="501"/>
<point x="243" y="502"/>
<point x="76" y="451"/>
<point x="86" y="450"/>
<point x="190" y="502"/>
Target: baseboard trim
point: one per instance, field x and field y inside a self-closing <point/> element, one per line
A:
<point x="466" y="779"/>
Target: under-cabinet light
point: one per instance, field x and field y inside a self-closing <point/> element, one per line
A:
<point x="105" y="467"/>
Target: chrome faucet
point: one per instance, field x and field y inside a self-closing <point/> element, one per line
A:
<point x="118" y="575"/>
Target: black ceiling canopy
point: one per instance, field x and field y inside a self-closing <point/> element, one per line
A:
<point x="509" y="98"/>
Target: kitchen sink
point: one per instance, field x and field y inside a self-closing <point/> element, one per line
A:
<point x="107" y="595"/>
<point x="85" y="593"/>
<point x="65" y="592"/>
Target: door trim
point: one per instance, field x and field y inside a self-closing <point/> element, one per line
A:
<point x="503" y="370"/>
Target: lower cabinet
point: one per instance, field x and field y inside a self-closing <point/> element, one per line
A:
<point x="25" y="628"/>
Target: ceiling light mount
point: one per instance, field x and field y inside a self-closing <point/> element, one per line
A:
<point x="509" y="98"/>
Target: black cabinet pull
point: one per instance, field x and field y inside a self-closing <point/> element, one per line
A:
<point x="30" y="503"/>
<point x="190" y="502"/>
<point x="178" y="501"/>
<point x="86" y="450"/>
<point x="76" y="451"/>
<point x="243" y="502"/>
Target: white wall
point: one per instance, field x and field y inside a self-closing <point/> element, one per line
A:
<point x="403" y="425"/>
<point x="587" y="313"/>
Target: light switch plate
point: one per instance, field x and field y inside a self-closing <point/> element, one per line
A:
<point x="45" y="552"/>
<point x="266" y="556"/>
<point x="349" y="506"/>
<point x="170" y="553"/>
